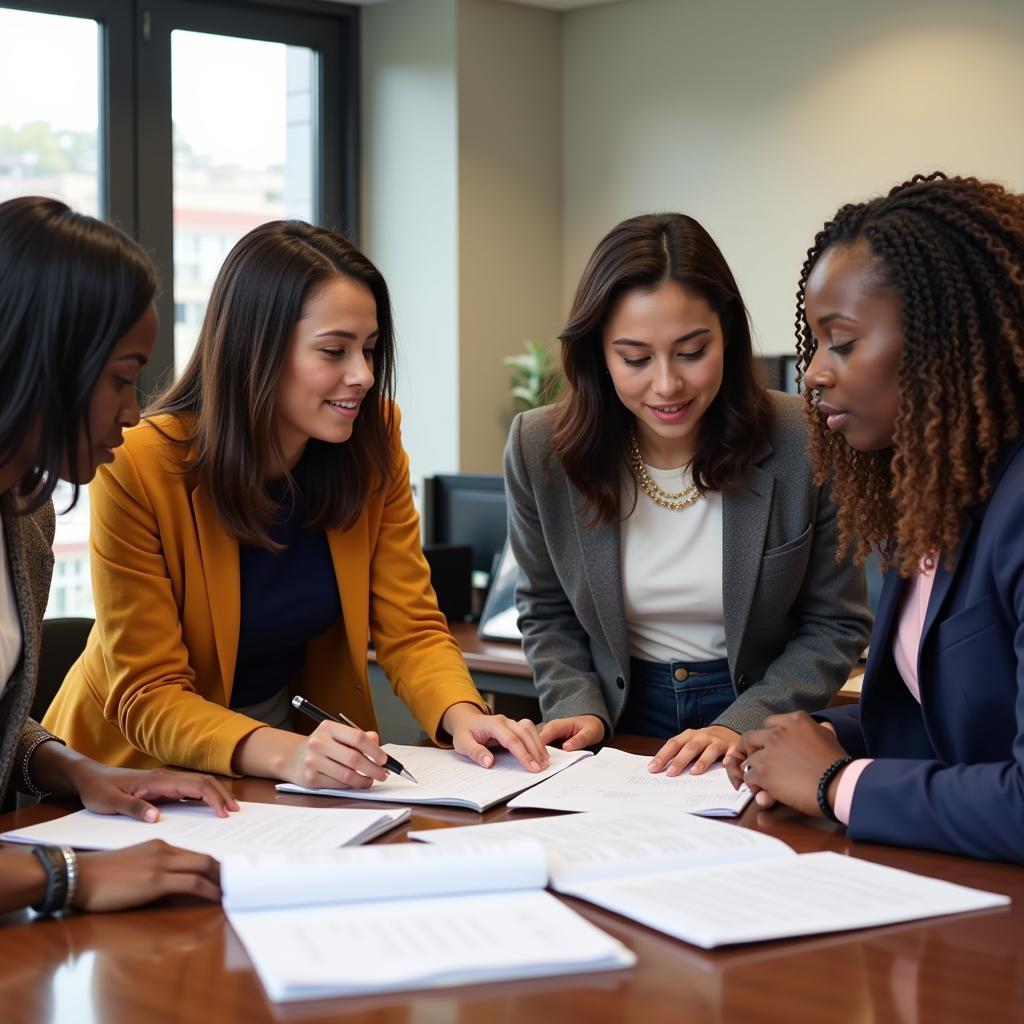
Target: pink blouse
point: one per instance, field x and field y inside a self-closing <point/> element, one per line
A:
<point x="905" y="649"/>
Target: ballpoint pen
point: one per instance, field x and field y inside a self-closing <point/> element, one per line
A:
<point x="319" y="715"/>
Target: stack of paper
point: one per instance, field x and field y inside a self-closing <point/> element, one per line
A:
<point x="447" y="778"/>
<point x="714" y="884"/>
<point x="616" y="781"/>
<point x="406" y="916"/>
<point x="193" y="826"/>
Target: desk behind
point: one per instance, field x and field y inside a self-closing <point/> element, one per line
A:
<point x="499" y="667"/>
<point x="182" y="964"/>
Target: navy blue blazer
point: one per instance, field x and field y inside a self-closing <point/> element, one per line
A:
<point x="949" y="773"/>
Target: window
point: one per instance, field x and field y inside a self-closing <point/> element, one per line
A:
<point x="50" y="124"/>
<point x="244" y="153"/>
<point x="186" y="123"/>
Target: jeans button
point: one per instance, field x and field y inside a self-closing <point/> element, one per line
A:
<point x="681" y="675"/>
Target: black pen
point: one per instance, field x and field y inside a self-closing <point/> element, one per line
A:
<point x="319" y="715"/>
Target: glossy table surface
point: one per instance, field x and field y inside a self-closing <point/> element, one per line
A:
<point x="181" y="963"/>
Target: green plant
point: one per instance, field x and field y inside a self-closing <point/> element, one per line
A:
<point x="536" y="377"/>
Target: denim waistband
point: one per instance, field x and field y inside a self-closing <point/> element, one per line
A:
<point x="639" y="667"/>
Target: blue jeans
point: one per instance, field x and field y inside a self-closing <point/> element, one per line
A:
<point x="661" y="705"/>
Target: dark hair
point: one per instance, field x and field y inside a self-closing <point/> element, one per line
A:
<point x="70" y="287"/>
<point x="952" y="251"/>
<point x="230" y="383"/>
<point x="591" y="424"/>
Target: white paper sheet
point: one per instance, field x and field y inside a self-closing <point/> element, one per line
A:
<point x="595" y="845"/>
<point x="445" y="777"/>
<point x="804" y="895"/>
<point x="428" y="943"/>
<point x="193" y="826"/>
<point x="391" y="871"/>
<point x="617" y="781"/>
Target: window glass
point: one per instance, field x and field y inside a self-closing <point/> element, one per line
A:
<point x="50" y="145"/>
<point x="244" y="153"/>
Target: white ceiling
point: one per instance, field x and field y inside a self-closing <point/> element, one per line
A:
<point x="552" y="5"/>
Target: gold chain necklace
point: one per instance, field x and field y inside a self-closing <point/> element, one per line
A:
<point x="673" y="500"/>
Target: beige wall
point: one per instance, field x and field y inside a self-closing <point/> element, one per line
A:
<point x="409" y="209"/>
<point x="510" y="230"/>
<point x="759" y="117"/>
<point x="461" y="181"/>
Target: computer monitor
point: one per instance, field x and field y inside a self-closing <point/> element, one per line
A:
<point x="777" y="372"/>
<point x="466" y="508"/>
<point x="788" y="374"/>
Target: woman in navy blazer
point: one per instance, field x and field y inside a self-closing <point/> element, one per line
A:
<point x="911" y="342"/>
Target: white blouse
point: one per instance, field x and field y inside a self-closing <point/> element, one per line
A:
<point x="672" y="574"/>
<point x="10" y="623"/>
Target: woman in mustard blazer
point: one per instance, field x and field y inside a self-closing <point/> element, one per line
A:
<point x="256" y="530"/>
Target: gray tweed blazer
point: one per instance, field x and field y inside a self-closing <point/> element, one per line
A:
<point x="30" y="558"/>
<point x="795" y="619"/>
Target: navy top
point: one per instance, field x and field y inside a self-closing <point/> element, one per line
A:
<point x="288" y="597"/>
<point x="948" y="773"/>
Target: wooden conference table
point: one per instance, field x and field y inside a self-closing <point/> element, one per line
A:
<point x="181" y="963"/>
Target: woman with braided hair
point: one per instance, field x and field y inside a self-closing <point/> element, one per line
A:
<point x="910" y="332"/>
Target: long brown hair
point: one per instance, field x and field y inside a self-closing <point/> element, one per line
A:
<point x="591" y="435"/>
<point x="952" y="249"/>
<point x="229" y="387"/>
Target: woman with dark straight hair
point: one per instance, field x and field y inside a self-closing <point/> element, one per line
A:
<point x="664" y="518"/>
<point x="910" y="334"/>
<point x="256" y="530"/>
<point x="77" y="325"/>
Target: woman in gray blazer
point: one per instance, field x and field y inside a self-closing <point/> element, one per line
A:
<point x="678" y="572"/>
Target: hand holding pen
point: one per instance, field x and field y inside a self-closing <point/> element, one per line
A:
<point x="319" y="715"/>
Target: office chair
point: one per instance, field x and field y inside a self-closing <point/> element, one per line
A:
<point x="63" y="641"/>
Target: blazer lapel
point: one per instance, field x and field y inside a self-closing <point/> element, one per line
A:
<point x="745" y="514"/>
<point x="944" y="578"/>
<point x="600" y="548"/>
<point x="944" y="581"/>
<point x="219" y="552"/>
<point x="350" y="556"/>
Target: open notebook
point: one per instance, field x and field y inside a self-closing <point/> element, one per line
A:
<point x="445" y="777"/>
<point x="193" y="826"/>
<point x="424" y="917"/>
<point x="714" y="884"/>
<point x="616" y="781"/>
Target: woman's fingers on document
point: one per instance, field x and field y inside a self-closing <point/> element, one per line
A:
<point x="521" y="739"/>
<point x="733" y="760"/>
<point x="698" y="748"/>
<point x="576" y="733"/>
<point x="336" y="755"/>
<point x="119" y="879"/>
<point x="109" y="790"/>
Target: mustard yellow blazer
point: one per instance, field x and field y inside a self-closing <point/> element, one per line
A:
<point x="154" y="683"/>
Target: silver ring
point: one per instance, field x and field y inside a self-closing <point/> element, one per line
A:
<point x="746" y="768"/>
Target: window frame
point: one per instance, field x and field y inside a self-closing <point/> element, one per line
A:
<point x="136" y="155"/>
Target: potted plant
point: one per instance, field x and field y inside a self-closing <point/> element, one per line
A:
<point x="536" y="376"/>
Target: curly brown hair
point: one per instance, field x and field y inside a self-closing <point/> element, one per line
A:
<point x="952" y="249"/>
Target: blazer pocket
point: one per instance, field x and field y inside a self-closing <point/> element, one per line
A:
<point x="965" y="625"/>
<point x="785" y="556"/>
